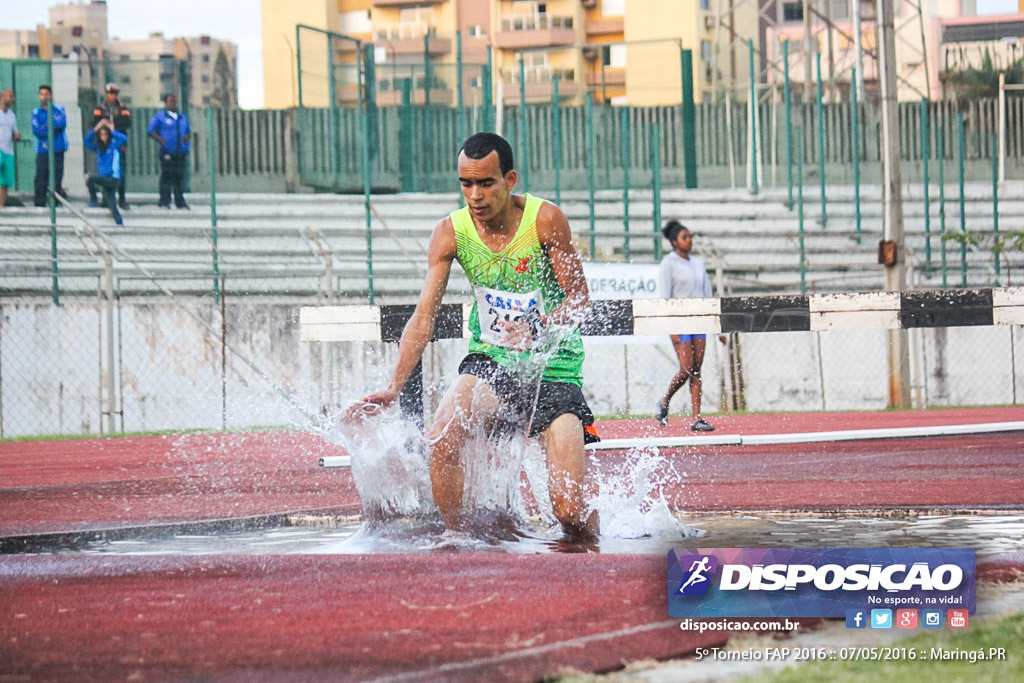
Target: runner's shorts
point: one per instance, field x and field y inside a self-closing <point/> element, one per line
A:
<point x="554" y="399"/>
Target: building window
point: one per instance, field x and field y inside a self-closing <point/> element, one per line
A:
<point x="477" y="31"/>
<point x="126" y="79"/>
<point x="705" y="51"/>
<point x="705" y="4"/>
<point x="33" y="50"/>
<point x="206" y="100"/>
<point x="792" y="11"/>
<point x="76" y="31"/>
<point x="206" y="59"/>
<point x="58" y="50"/>
<point x="125" y="58"/>
<point x="206" y="79"/>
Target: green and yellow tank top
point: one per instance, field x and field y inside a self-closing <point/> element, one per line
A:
<point x="509" y="284"/>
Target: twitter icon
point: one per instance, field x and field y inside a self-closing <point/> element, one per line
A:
<point x="881" y="618"/>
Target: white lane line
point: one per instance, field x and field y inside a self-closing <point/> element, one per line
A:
<point x="810" y="437"/>
<point x="773" y="439"/>
<point x="432" y="674"/>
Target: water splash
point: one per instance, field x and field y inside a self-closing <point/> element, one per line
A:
<point x="506" y="491"/>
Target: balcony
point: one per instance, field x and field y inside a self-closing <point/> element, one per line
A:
<point x="539" y="84"/>
<point x="613" y="76"/>
<point x="405" y="3"/>
<point x="607" y="26"/>
<point x="407" y="38"/>
<point x="523" y="31"/>
<point x="389" y="90"/>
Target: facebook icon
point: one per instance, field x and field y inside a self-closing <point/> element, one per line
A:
<point x="856" y="618"/>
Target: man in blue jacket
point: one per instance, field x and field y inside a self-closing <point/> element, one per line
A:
<point x="60" y="144"/>
<point x="171" y="129"/>
<point x="107" y="144"/>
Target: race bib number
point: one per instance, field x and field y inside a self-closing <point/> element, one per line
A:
<point x="496" y="307"/>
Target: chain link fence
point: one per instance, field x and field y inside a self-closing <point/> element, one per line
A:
<point x="168" y="368"/>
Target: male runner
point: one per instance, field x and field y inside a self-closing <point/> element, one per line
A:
<point x="518" y="254"/>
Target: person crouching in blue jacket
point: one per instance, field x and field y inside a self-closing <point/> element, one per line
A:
<point x="106" y="142"/>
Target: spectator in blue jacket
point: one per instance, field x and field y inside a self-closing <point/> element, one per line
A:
<point x="170" y="128"/>
<point x="107" y="144"/>
<point x="60" y="144"/>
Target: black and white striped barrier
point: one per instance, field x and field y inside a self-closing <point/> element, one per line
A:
<point x="846" y="311"/>
<point x="817" y="312"/>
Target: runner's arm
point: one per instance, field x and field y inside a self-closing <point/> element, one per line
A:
<point x="556" y="239"/>
<point x="420" y="327"/>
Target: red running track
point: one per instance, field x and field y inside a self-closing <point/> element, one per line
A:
<point x="88" y="484"/>
<point x="450" y="616"/>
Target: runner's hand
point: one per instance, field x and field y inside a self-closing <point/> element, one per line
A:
<point x="369" y="406"/>
<point x="518" y="334"/>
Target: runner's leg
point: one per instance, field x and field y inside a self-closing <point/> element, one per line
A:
<point x="468" y="404"/>
<point x="684" y="355"/>
<point x="562" y="442"/>
<point x="697" y="356"/>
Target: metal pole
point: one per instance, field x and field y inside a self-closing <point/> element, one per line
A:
<point x="942" y="196"/>
<point x="1002" y="126"/>
<point x="800" y="208"/>
<point x="855" y="155"/>
<point x="656" y="186"/>
<point x="458" y="77"/>
<point x="624" y="130"/>
<point x="858" y="50"/>
<point x="364" y="149"/>
<point x="789" y="124"/>
<point x="211" y="150"/>
<point x="895" y="271"/>
<point x="185" y="85"/>
<point x="557" y="141"/>
<point x="51" y="201"/>
<point x="110" y="340"/>
<point x="487" y="79"/>
<point x="689" y="112"/>
<point x="963" y="203"/>
<point x="925" y="153"/>
<point x="405" y="137"/>
<point x="996" y="247"/>
<point x="428" y="128"/>
<point x="524" y="164"/>
<point x="752" y="123"/>
<point x="821" y="145"/>
<point x="591" y="182"/>
<point x="334" y="134"/>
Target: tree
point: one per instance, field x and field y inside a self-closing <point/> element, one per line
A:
<point x="983" y="82"/>
<point x="223" y="95"/>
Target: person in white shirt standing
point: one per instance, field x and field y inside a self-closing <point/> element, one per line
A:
<point x="8" y="135"/>
<point x="682" y="276"/>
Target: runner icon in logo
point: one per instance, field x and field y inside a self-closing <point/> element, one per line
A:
<point x="698" y="574"/>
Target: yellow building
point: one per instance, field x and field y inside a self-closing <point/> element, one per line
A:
<point x="620" y="50"/>
<point x="280" y="79"/>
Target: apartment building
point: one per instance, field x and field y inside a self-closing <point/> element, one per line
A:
<point x="619" y="50"/>
<point x="828" y="32"/>
<point x="143" y="68"/>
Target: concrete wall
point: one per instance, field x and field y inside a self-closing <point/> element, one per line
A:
<point x="169" y="371"/>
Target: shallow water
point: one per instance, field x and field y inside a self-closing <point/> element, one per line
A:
<point x="986" y="533"/>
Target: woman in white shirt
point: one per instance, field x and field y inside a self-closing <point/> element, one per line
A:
<point x="683" y="276"/>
